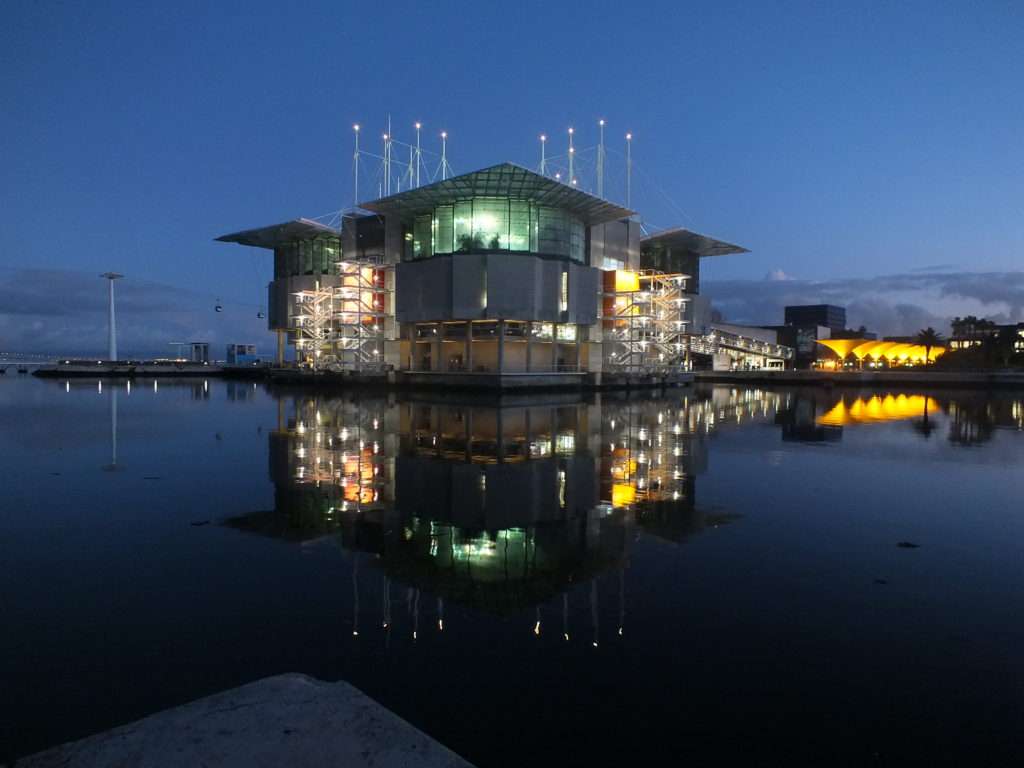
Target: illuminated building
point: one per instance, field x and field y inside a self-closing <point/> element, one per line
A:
<point x="497" y="277"/>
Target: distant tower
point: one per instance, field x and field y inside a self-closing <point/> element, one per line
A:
<point x="112" y="337"/>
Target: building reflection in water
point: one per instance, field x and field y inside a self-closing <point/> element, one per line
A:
<point x="509" y="509"/>
<point x="502" y="509"/>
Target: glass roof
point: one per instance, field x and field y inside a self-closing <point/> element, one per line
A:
<point x="505" y="180"/>
<point x="694" y="242"/>
<point x="275" y="234"/>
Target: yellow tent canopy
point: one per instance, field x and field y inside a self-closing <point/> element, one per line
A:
<point x="879" y="350"/>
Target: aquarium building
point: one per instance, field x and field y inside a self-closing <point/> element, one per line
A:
<point x="502" y="275"/>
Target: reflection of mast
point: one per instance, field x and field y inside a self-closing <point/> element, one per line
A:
<point x="565" y="615"/>
<point x="593" y="609"/>
<point x="355" y="594"/>
<point x="622" y="600"/>
<point x="387" y="612"/>
<point x="112" y="466"/>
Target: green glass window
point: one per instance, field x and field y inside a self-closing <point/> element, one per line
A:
<point x="317" y="250"/>
<point x="284" y="260"/>
<point x="577" y="239"/>
<point x="490" y="223"/>
<point x="305" y="258"/>
<point x="407" y="243"/>
<point x="464" y="226"/>
<point x="444" y="228"/>
<point x="519" y="226"/>
<point x="552" y="236"/>
<point x="331" y="255"/>
<point x="422" y="236"/>
<point x="496" y="224"/>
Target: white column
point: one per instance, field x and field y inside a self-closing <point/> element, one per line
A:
<point x="112" y="331"/>
<point x="112" y="338"/>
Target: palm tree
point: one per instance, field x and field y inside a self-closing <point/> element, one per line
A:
<point x="929" y="338"/>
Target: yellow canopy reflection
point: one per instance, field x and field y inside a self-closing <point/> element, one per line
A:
<point x="877" y="409"/>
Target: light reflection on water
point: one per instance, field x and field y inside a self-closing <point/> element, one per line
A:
<point x="728" y="539"/>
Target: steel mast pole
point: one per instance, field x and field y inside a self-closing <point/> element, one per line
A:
<point x="444" y="155"/>
<point x="572" y="154"/>
<point x="112" y="327"/>
<point x="355" y="169"/>
<point x="629" y="168"/>
<point x="418" y="156"/>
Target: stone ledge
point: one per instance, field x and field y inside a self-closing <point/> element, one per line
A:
<point x="291" y="720"/>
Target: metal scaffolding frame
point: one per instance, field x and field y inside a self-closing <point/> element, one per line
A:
<point x="342" y="327"/>
<point x="645" y="319"/>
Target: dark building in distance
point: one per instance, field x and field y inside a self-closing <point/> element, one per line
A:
<point x="973" y="331"/>
<point x="827" y="315"/>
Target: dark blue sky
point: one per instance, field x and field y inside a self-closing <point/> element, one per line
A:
<point x="835" y="142"/>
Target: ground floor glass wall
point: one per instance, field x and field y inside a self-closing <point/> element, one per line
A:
<point x="492" y="346"/>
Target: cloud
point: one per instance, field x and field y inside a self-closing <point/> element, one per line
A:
<point x="63" y="312"/>
<point x="777" y="274"/>
<point x="936" y="268"/>
<point x="895" y="305"/>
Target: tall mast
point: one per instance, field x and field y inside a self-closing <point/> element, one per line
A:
<point x="355" y="168"/>
<point x="600" y="160"/>
<point x="444" y="155"/>
<point x="543" y="159"/>
<point x="629" y="168"/>
<point x="418" y="156"/>
<point x="112" y="327"/>
<point x="572" y="155"/>
<point x="387" y="165"/>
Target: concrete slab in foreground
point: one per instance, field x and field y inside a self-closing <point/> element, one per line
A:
<point x="290" y="720"/>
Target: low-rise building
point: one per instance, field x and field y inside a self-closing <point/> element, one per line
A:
<point x="242" y="354"/>
<point x="973" y="331"/>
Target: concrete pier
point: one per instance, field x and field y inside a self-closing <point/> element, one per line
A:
<point x="288" y="720"/>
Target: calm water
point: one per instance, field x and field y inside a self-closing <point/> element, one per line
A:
<point x="714" y="573"/>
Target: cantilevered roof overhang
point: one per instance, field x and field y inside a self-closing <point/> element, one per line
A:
<point x="505" y="180"/>
<point x="278" y="234"/>
<point x="682" y="239"/>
